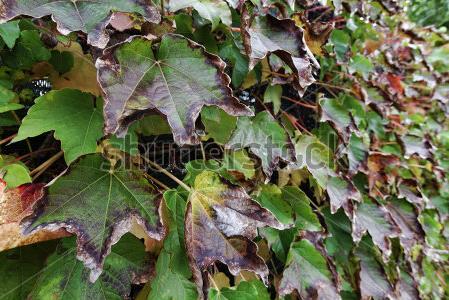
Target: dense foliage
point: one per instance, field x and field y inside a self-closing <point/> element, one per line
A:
<point x="260" y="149"/>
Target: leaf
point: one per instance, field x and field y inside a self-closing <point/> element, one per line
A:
<point x="220" y="222"/>
<point x="405" y="217"/>
<point x="86" y="16"/>
<point x="270" y="197"/>
<point x="357" y="154"/>
<point x="177" y="80"/>
<point x="377" y="221"/>
<point x="238" y="162"/>
<point x="16" y="204"/>
<point x="273" y="95"/>
<point x="97" y="202"/>
<point x="342" y="45"/>
<point x="28" y="50"/>
<point x="246" y="290"/>
<point x="218" y="124"/>
<point x="318" y="159"/>
<point x="73" y="115"/>
<point x="20" y="267"/>
<point x="212" y="10"/>
<point x="265" y="138"/>
<point x="10" y="32"/>
<point x="265" y="35"/>
<point x="307" y="272"/>
<point x="305" y="218"/>
<point x="172" y="265"/>
<point x="373" y="281"/>
<point x="6" y="100"/>
<point x="231" y="54"/>
<point x="13" y="172"/>
<point x="61" y="61"/>
<point x="361" y="65"/>
<point x="64" y="276"/>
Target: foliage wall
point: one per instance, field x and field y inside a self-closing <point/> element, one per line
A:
<point x="192" y="149"/>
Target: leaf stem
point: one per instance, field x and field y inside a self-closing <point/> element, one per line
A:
<point x="203" y="153"/>
<point x="45" y="165"/>
<point x="168" y="174"/>
<point x="157" y="182"/>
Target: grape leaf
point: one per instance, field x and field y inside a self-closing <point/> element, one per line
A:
<point x="378" y="222"/>
<point x="238" y="162"/>
<point x="91" y="17"/>
<point x="13" y="172"/>
<point x="172" y="268"/>
<point x="305" y="218"/>
<point x="177" y="80"/>
<point x="19" y="269"/>
<point x="218" y="124"/>
<point x="64" y="276"/>
<point x="6" y="100"/>
<point x="73" y="115"/>
<point x="373" y="281"/>
<point x="28" y="50"/>
<point x="270" y="197"/>
<point x="10" y="32"/>
<point x="265" y="138"/>
<point x="267" y="34"/>
<point x="307" y="272"/>
<point x="97" y="202"/>
<point x="220" y="222"/>
<point x="212" y="10"/>
<point x="246" y="290"/>
<point x="318" y="159"/>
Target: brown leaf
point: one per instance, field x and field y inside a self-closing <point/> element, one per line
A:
<point x="378" y="174"/>
<point x="221" y="221"/>
<point x="177" y="80"/>
<point x="265" y="35"/>
<point x="16" y="204"/>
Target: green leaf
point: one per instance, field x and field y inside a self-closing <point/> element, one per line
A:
<point x="231" y="54"/>
<point x="265" y="138"/>
<point x="177" y="80"/>
<point x="342" y="44"/>
<point x="239" y="162"/>
<point x="87" y="16"/>
<point x="361" y="65"/>
<point x="20" y="267"/>
<point x="218" y="124"/>
<point x="28" y="50"/>
<point x="10" y="32"/>
<point x="15" y="172"/>
<point x="305" y="218"/>
<point x="357" y="153"/>
<point x="6" y="98"/>
<point x="270" y="197"/>
<point x="246" y="290"/>
<point x="273" y="95"/>
<point x="65" y="277"/>
<point x="212" y="10"/>
<point x="61" y="61"/>
<point x="153" y="125"/>
<point x="279" y="240"/>
<point x="307" y="272"/>
<point x="97" y="202"/>
<point x="73" y="115"/>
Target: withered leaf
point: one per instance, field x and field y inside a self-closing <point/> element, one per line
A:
<point x="90" y="17"/>
<point x="98" y="203"/>
<point x="308" y="273"/>
<point x="221" y="221"/>
<point x="264" y="35"/>
<point x="177" y="80"/>
<point x="16" y="204"/>
<point x="265" y="138"/>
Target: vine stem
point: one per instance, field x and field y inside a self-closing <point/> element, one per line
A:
<point x="334" y="87"/>
<point x="301" y="103"/>
<point x="168" y="174"/>
<point x="45" y="165"/>
<point x="5" y="140"/>
<point x="157" y="182"/>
